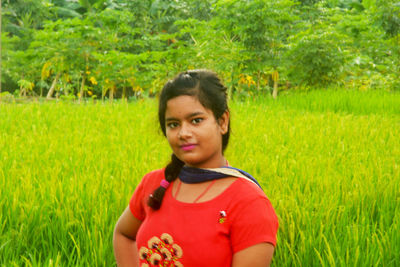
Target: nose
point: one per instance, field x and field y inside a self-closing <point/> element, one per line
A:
<point x="184" y="131"/>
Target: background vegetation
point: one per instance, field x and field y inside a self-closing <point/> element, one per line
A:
<point x="119" y="48"/>
<point x="328" y="160"/>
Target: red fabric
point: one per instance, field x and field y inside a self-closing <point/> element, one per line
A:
<point x="201" y="234"/>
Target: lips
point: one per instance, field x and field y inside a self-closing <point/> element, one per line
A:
<point x="187" y="147"/>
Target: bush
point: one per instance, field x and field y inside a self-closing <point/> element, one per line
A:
<point x="317" y="57"/>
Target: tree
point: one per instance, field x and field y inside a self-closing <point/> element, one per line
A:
<point x="318" y="56"/>
<point x="388" y="16"/>
<point x="66" y="46"/>
<point x="263" y="27"/>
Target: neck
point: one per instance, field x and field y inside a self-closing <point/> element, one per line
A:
<point x="221" y="163"/>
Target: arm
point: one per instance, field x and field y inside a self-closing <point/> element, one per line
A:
<point x="254" y="227"/>
<point x="124" y="239"/>
<point x="259" y="255"/>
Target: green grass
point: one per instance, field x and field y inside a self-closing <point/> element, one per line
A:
<point x="328" y="160"/>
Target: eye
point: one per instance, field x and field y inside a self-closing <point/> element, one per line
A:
<point x="172" y="125"/>
<point x="197" y="120"/>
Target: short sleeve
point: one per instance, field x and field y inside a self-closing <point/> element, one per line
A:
<point x="254" y="222"/>
<point x="136" y="203"/>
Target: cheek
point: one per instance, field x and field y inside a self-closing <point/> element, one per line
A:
<point x="213" y="134"/>
<point x="170" y="137"/>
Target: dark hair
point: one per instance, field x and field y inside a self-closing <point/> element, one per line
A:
<point x="211" y="93"/>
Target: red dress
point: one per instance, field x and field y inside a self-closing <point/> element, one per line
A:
<point x="201" y="234"/>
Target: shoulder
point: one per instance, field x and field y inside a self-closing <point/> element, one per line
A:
<point x="149" y="182"/>
<point x="155" y="174"/>
<point x="247" y="190"/>
<point x="248" y="199"/>
<point x="152" y="179"/>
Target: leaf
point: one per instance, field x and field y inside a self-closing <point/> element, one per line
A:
<point x="67" y="12"/>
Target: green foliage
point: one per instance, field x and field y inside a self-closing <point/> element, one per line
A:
<point x="388" y="16"/>
<point x="22" y="15"/>
<point x="261" y="26"/>
<point x="306" y="43"/>
<point x="26" y="84"/>
<point x="318" y="56"/>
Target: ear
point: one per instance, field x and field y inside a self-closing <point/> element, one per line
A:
<point x="223" y="122"/>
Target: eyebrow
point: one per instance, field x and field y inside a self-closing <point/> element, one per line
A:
<point x="191" y="115"/>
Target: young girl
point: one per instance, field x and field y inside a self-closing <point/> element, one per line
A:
<point x="197" y="211"/>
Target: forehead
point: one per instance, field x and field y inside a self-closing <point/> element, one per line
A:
<point x="184" y="105"/>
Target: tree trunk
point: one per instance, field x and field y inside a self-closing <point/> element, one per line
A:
<point x="21" y="91"/>
<point x="124" y="93"/>
<point x="275" y="92"/>
<point x="111" y="94"/>
<point x="275" y="78"/>
<point x="82" y="88"/>
<point x="53" y="86"/>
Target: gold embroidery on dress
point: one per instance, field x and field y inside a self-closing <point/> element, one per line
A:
<point x="161" y="252"/>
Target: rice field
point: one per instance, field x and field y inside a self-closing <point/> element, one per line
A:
<point x="329" y="161"/>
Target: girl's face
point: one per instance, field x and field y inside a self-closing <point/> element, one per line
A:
<point x="193" y="133"/>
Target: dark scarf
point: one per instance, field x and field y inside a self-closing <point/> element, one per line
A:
<point x="192" y="175"/>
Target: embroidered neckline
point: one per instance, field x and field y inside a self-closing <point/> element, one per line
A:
<point x="202" y="203"/>
<point x="199" y="196"/>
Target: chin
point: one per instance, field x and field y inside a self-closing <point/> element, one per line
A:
<point x="192" y="162"/>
